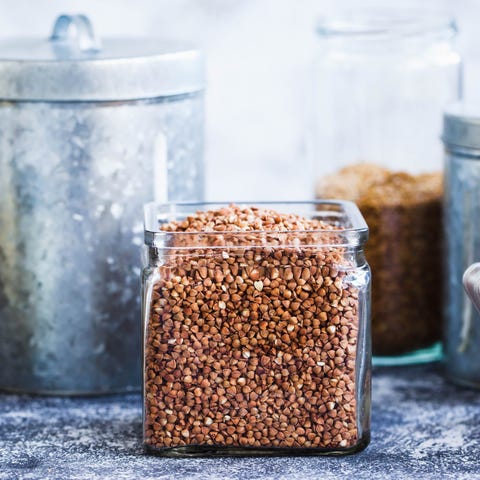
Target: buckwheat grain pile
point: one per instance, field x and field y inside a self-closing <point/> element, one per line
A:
<point x="404" y="216"/>
<point x="251" y="345"/>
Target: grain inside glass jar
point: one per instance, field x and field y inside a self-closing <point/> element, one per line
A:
<point x="255" y="335"/>
<point x="404" y="215"/>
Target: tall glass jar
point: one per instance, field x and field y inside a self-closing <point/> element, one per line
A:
<point x="382" y="78"/>
<point x="256" y="341"/>
<point x="461" y="136"/>
<point x="89" y="131"/>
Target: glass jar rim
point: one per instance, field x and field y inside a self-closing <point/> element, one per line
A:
<point x="353" y="231"/>
<point x="388" y="23"/>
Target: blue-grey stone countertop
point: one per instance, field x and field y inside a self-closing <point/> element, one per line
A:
<point x="422" y="427"/>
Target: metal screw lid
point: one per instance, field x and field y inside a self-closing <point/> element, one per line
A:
<point x="461" y="128"/>
<point x="74" y="65"/>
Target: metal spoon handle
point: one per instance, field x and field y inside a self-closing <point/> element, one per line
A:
<point x="471" y="283"/>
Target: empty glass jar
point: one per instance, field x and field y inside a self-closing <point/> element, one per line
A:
<point x="382" y="79"/>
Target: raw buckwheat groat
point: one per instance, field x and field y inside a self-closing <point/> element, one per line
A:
<point x="404" y="215"/>
<point x="252" y="344"/>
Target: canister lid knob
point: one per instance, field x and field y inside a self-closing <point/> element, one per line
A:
<point x="74" y="32"/>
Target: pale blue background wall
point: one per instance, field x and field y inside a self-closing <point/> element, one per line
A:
<point x="259" y="58"/>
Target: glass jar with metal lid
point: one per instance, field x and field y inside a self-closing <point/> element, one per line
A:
<point x="461" y="136"/>
<point x="89" y="131"/>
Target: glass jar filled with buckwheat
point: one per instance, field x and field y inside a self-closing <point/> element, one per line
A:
<point x="383" y="76"/>
<point x="256" y="328"/>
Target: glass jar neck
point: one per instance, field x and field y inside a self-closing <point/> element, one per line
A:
<point x="381" y="29"/>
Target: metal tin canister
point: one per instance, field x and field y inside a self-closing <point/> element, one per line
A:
<point x="461" y="136"/>
<point x="90" y="130"/>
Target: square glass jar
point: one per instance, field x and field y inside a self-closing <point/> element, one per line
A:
<point x="256" y="342"/>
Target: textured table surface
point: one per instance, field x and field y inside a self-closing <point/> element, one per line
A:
<point x="422" y="427"/>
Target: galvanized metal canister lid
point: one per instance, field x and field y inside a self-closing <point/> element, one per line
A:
<point x="461" y="128"/>
<point x="74" y="65"/>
